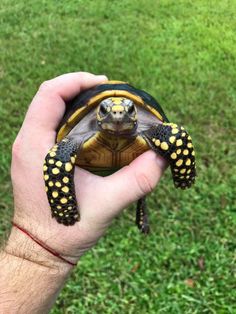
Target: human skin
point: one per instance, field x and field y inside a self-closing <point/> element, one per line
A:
<point x="31" y="277"/>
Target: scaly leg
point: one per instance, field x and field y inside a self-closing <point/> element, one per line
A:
<point x="142" y="216"/>
<point x="173" y="143"/>
<point x="59" y="181"/>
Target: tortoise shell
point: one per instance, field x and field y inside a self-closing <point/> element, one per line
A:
<point x="106" y="154"/>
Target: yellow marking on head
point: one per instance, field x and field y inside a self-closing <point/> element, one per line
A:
<point x="67" y="215"/>
<point x="45" y="168"/>
<point x="54" y="149"/>
<point x="70" y="197"/>
<point x="174" y="131"/>
<point x="51" y="201"/>
<point x="58" y="184"/>
<point x="63" y="200"/>
<point x="178" y="151"/>
<point x="182" y="128"/>
<point x="173" y="156"/>
<point x="172" y="139"/>
<point x="153" y="139"/>
<point x="188" y="162"/>
<point x="176" y="170"/>
<point x="68" y="166"/>
<point x="189" y="170"/>
<point x="179" y="142"/>
<point x="182" y="177"/>
<point x="58" y="207"/>
<point x="185" y="152"/>
<point x="189" y="145"/>
<point x="70" y="207"/>
<point x="46" y="188"/>
<point x="157" y="142"/>
<point x="187" y="177"/>
<point x="65" y="179"/>
<point x="117" y="100"/>
<point x="183" y="134"/>
<point x="58" y="163"/>
<point x="117" y="108"/>
<point x="46" y="177"/>
<point x="164" y="146"/>
<point x="55" y="211"/>
<point x="193" y="153"/>
<point x="54" y="194"/>
<point x="51" y="161"/>
<point x="72" y="159"/>
<point x="179" y="162"/>
<point x="183" y="170"/>
<point x="189" y="138"/>
<point x="61" y="214"/>
<point x="52" y="154"/>
<point x="50" y="183"/>
<point x="65" y="189"/>
<point x="55" y="170"/>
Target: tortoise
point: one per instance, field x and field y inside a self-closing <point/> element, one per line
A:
<point x="103" y="129"/>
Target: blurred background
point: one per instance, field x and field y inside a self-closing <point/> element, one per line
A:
<point x="184" y="54"/>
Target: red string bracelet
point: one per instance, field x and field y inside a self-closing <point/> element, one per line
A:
<point x="42" y="244"/>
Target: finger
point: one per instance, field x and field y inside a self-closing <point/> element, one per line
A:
<point x="48" y="105"/>
<point x="136" y="180"/>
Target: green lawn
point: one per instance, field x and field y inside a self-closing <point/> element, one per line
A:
<point x="184" y="54"/>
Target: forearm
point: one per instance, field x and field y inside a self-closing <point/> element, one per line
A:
<point x="30" y="277"/>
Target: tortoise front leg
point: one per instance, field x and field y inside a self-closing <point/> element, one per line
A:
<point x="142" y="216"/>
<point x="59" y="181"/>
<point x="173" y="143"/>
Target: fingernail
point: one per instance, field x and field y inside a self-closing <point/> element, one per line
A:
<point x="102" y="77"/>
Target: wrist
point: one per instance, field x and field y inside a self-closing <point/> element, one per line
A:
<point x="21" y="247"/>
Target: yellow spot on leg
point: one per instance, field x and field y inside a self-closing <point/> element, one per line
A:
<point x="188" y="162"/>
<point x="63" y="200"/>
<point x="58" y="184"/>
<point x="68" y="166"/>
<point x="164" y="146"/>
<point x="46" y="177"/>
<point x="179" y="142"/>
<point x="54" y="194"/>
<point x="50" y="183"/>
<point x="185" y="152"/>
<point x="174" y="131"/>
<point x="58" y="163"/>
<point x="65" y="189"/>
<point x="157" y="142"/>
<point x="65" y="179"/>
<point x="172" y="139"/>
<point x="55" y="170"/>
<point x="179" y="162"/>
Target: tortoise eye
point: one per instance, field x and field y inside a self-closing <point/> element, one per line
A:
<point x="131" y="109"/>
<point x="103" y="109"/>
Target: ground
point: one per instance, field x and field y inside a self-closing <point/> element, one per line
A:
<point x="184" y="54"/>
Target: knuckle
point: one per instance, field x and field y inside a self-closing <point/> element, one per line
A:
<point x="16" y="147"/>
<point x="144" y="183"/>
<point x="45" y="86"/>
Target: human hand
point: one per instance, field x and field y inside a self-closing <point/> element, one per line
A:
<point x="100" y="198"/>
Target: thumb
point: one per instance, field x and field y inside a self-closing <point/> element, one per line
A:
<point x="136" y="180"/>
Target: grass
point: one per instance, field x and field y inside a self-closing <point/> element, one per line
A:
<point x="184" y="54"/>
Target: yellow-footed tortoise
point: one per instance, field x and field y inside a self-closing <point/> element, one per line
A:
<point x="104" y="128"/>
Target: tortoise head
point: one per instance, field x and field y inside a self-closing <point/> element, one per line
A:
<point x="117" y="115"/>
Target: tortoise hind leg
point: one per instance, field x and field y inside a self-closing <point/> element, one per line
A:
<point x="59" y="181"/>
<point x="142" y="216"/>
<point x="173" y="143"/>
